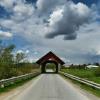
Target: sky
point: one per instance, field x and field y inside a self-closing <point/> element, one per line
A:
<point x="69" y="28"/>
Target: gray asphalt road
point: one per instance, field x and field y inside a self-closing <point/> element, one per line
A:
<point x="50" y="87"/>
<point x="49" y="70"/>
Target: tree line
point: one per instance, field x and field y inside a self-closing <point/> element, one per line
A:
<point x="95" y="70"/>
<point x="13" y="64"/>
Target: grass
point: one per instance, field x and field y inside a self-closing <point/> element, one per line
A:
<point x="88" y="74"/>
<point x="88" y="88"/>
<point x="15" y="85"/>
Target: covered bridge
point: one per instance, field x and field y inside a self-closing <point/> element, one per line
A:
<point x="50" y="57"/>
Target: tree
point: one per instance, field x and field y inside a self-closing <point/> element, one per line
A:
<point x="20" y="57"/>
<point x="9" y="62"/>
<point x="97" y="72"/>
<point x="97" y="64"/>
<point x="6" y="61"/>
<point x="7" y="56"/>
<point x="1" y="49"/>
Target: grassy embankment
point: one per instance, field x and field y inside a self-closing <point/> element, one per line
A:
<point x="13" y="64"/>
<point x="89" y="74"/>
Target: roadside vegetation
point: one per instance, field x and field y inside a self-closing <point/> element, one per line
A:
<point x="14" y="64"/>
<point x="85" y="87"/>
<point x="15" y="85"/>
<point x="92" y="74"/>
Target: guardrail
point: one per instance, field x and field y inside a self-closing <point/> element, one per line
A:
<point x="81" y="80"/>
<point x="6" y="82"/>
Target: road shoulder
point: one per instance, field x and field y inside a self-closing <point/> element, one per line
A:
<point x="82" y="91"/>
<point x="17" y="90"/>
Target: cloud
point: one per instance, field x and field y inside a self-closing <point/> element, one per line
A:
<point x="50" y="18"/>
<point x="23" y="51"/>
<point x="67" y="20"/>
<point x="34" y="24"/>
<point x="7" y="3"/>
<point x="20" y="51"/>
<point x="46" y="7"/>
<point x="27" y="51"/>
<point x="4" y="34"/>
<point x="23" y="20"/>
<point x="22" y="11"/>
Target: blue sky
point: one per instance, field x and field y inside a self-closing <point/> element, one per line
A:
<point x="68" y="28"/>
<point x="87" y="2"/>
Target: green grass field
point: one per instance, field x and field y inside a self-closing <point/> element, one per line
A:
<point x="88" y="74"/>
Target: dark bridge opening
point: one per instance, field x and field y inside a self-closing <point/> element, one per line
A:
<point x="49" y="67"/>
<point x="50" y="58"/>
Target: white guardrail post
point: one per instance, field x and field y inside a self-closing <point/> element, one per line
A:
<point x="81" y="80"/>
<point x="6" y="82"/>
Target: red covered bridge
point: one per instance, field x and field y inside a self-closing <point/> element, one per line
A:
<point x="50" y="58"/>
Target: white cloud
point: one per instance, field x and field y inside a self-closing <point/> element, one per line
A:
<point x="22" y="11"/>
<point x="4" y="34"/>
<point x="20" y="51"/>
<point x="27" y="51"/>
<point x="7" y="3"/>
<point x="23" y="51"/>
<point x="65" y="18"/>
<point x="82" y="9"/>
<point x="56" y="18"/>
<point x="46" y="7"/>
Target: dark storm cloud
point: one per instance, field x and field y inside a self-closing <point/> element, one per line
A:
<point x="68" y="20"/>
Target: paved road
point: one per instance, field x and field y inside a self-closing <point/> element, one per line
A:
<point x="50" y="87"/>
<point x="49" y="70"/>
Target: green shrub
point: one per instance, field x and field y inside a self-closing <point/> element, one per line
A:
<point x="97" y="72"/>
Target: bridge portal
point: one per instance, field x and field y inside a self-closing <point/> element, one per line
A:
<point x="50" y="57"/>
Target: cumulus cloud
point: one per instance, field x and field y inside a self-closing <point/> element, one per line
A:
<point x="45" y="7"/>
<point x="23" y="20"/>
<point x="49" y="19"/>
<point x="22" y="11"/>
<point x="61" y="18"/>
<point x="7" y="3"/>
<point x="67" y="20"/>
<point x="4" y="34"/>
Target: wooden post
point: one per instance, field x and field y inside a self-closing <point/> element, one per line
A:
<point x="59" y="66"/>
